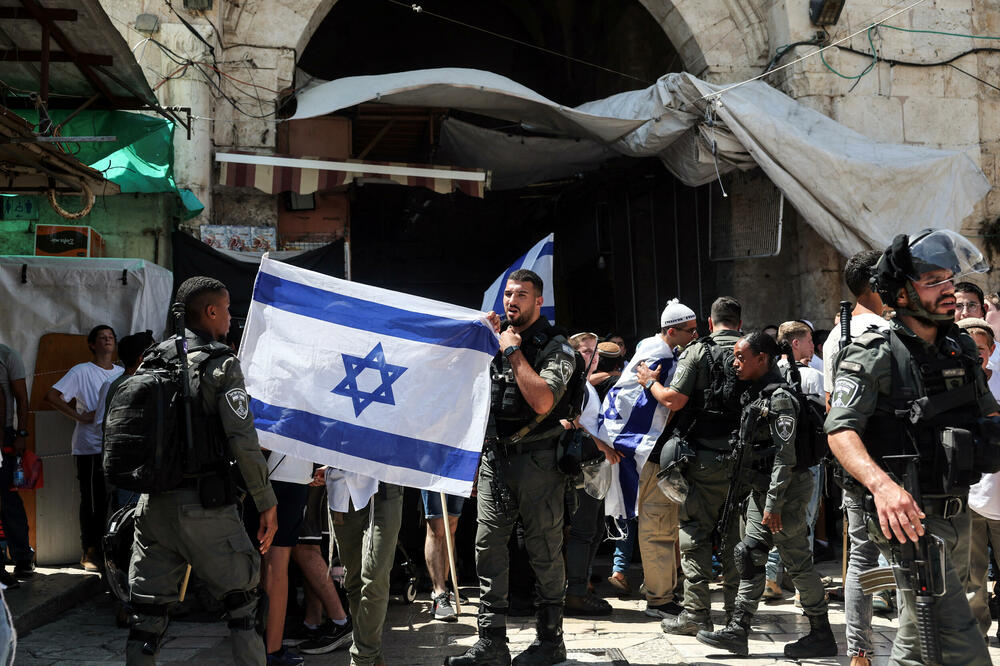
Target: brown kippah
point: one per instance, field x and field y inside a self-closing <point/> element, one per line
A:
<point x="609" y="350"/>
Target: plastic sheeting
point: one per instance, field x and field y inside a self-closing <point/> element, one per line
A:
<point x="856" y="192"/>
<point x="72" y="295"/>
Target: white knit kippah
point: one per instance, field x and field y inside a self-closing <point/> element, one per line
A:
<point x="675" y="313"/>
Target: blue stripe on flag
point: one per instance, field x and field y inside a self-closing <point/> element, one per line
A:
<point x="549" y="312"/>
<point x="364" y="315"/>
<point x="366" y="443"/>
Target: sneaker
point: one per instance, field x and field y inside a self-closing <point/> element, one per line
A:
<point x="669" y="609"/>
<point x="331" y="636"/>
<point x="89" y="560"/>
<point x="24" y="569"/>
<point x="7" y="580"/>
<point x="620" y="582"/>
<point x="772" y="591"/>
<point x="284" y="657"/>
<point x="586" y="605"/>
<point x="443" y="609"/>
<point x="882" y="602"/>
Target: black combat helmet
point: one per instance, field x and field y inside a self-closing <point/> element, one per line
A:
<point x="910" y="257"/>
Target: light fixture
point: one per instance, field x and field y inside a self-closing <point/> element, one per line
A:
<point x="825" y="12"/>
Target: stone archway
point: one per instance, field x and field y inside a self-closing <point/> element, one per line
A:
<point x="720" y="40"/>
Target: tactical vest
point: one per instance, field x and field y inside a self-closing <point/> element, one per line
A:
<point x="930" y="391"/>
<point x="714" y="412"/>
<point x="509" y="410"/>
<point x="762" y="450"/>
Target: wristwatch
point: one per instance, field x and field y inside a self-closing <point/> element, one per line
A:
<point x="21" y="433"/>
<point x="510" y="350"/>
<point x="648" y="385"/>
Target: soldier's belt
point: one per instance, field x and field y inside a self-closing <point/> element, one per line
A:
<point x="526" y="447"/>
<point x="944" y="507"/>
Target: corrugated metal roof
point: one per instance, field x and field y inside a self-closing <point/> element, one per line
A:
<point x="88" y="55"/>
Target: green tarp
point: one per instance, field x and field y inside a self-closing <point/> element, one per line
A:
<point x="140" y="160"/>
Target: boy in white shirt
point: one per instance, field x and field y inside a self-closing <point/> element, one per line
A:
<point x="82" y="387"/>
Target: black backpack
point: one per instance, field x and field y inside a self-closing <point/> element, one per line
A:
<point x="725" y="390"/>
<point x="144" y="448"/>
<point x="811" y="444"/>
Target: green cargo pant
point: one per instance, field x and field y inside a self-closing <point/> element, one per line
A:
<point x="172" y="529"/>
<point x="792" y="543"/>
<point x="367" y="549"/>
<point x="538" y="488"/>
<point x="708" y="477"/>
<point x="958" y="631"/>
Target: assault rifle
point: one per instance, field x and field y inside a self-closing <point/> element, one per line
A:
<point x="917" y="567"/>
<point x="180" y="343"/>
<point x="741" y="457"/>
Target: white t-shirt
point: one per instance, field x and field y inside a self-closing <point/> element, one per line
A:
<point x="11" y="369"/>
<point x="859" y="324"/>
<point x="812" y="380"/>
<point x="84" y="382"/>
<point x="984" y="497"/>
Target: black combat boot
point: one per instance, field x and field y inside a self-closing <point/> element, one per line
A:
<point x="687" y="623"/>
<point x="732" y="637"/>
<point x="548" y="647"/>
<point x="819" y="642"/>
<point x="489" y="650"/>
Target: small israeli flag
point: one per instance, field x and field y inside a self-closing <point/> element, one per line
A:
<point x="632" y="420"/>
<point x="367" y="380"/>
<point x="537" y="259"/>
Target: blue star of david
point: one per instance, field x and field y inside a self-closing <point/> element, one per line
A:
<point x="355" y="366"/>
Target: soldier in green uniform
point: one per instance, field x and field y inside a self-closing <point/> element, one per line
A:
<point x="173" y="528"/>
<point x="900" y="396"/>
<point x="776" y="511"/>
<point x="519" y="476"/>
<point x="707" y="397"/>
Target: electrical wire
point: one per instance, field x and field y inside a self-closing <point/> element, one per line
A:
<point x="420" y="10"/>
<point x="867" y="69"/>
<point x="718" y="93"/>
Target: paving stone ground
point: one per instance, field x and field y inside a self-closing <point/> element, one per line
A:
<point x="87" y="635"/>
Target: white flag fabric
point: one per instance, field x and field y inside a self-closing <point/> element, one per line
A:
<point x="376" y="382"/>
<point x="537" y="259"/>
<point x="631" y="421"/>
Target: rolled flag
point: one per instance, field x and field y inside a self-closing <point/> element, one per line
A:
<point x="376" y="382"/>
<point x="537" y="259"/>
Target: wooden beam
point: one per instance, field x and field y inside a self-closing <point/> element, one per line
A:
<point x="20" y="13"/>
<point x="38" y="13"/>
<point x="21" y="55"/>
<point x="378" y="137"/>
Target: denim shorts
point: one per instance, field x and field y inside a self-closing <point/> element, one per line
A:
<point x="432" y="504"/>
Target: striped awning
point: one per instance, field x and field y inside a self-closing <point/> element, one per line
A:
<point x="282" y="173"/>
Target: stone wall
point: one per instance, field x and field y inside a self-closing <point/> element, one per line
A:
<point x="720" y="40"/>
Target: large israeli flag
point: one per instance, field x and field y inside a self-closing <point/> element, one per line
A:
<point x="368" y="380"/>
<point x="537" y="259"/>
<point x="631" y="421"/>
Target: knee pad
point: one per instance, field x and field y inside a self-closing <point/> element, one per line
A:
<point x="246" y="609"/>
<point x="751" y="556"/>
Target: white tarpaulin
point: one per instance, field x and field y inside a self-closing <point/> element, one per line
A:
<point x="72" y="295"/>
<point x="856" y="192"/>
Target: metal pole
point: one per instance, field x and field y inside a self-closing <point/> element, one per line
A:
<point x="451" y="553"/>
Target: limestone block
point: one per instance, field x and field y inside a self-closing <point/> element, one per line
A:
<point x="878" y="117"/>
<point x="959" y="84"/>
<point x="935" y="47"/>
<point x="677" y="28"/>
<point x="989" y="120"/>
<point x="985" y="17"/>
<point x="917" y="81"/>
<point x="274" y="22"/>
<point x="956" y="5"/>
<point x="940" y="121"/>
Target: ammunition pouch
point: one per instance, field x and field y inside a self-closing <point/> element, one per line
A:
<point x="505" y="396"/>
<point x="217" y="488"/>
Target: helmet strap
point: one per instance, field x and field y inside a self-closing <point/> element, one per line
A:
<point x="919" y="312"/>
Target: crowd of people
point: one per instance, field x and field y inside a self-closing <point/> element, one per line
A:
<point x="728" y="487"/>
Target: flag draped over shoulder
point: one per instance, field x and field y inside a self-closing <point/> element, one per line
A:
<point x="372" y="381"/>
<point x="631" y="421"/>
<point x="537" y="259"/>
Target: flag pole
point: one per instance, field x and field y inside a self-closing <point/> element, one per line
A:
<point x="451" y="552"/>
